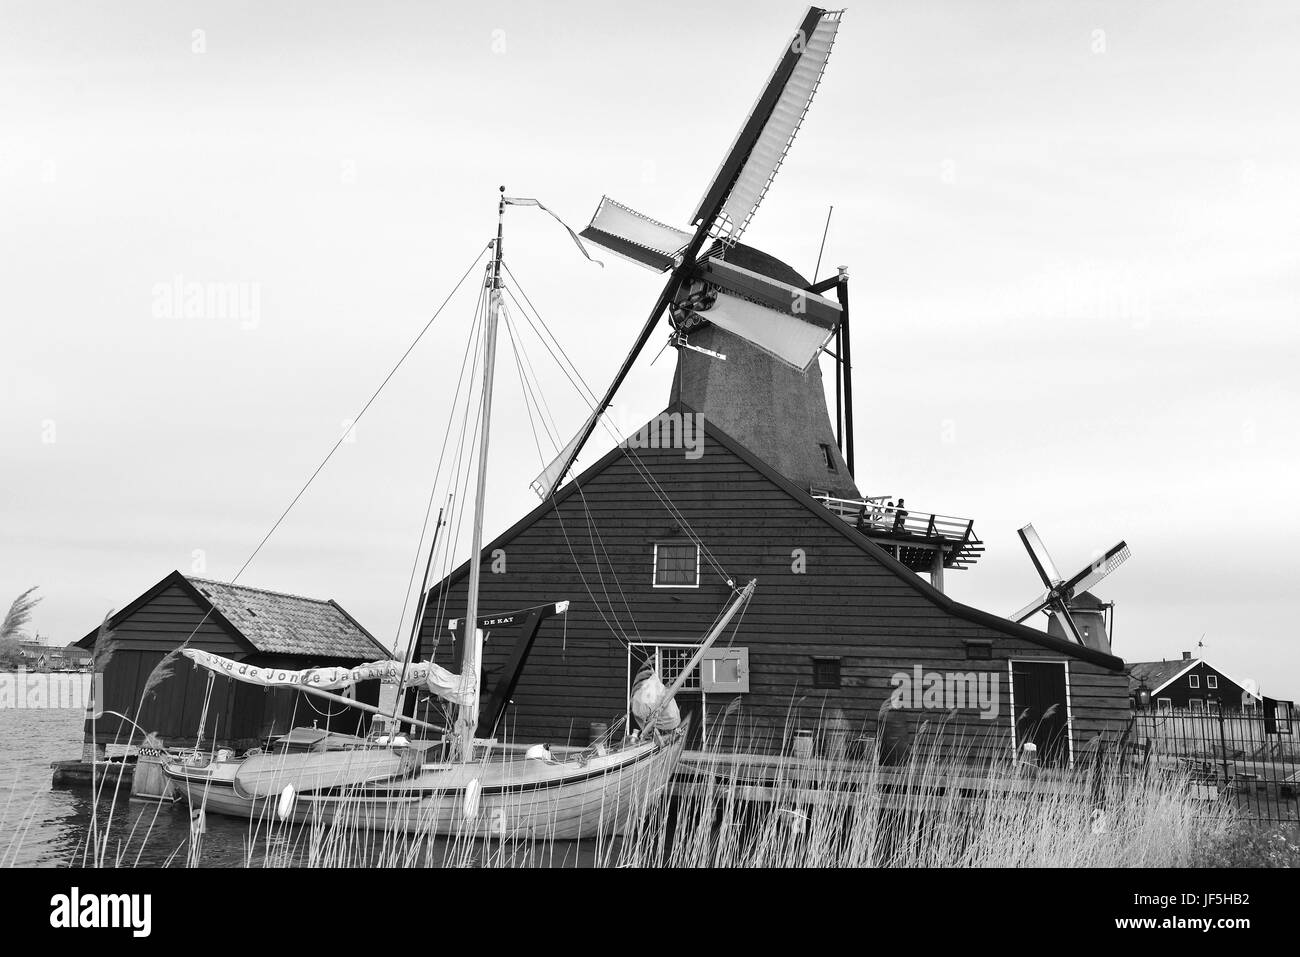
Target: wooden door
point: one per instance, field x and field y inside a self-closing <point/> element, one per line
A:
<point x="1040" y="709"/>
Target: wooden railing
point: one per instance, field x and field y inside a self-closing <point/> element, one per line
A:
<point x="875" y="515"/>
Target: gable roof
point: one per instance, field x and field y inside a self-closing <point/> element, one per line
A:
<point x="815" y="508"/>
<point x="269" y="622"/>
<point x="1158" y="675"/>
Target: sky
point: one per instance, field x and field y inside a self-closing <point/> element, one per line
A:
<point x="1073" y="231"/>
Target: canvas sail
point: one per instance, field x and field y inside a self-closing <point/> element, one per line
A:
<point x="457" y="689"/>
<point x="550" y="478"/>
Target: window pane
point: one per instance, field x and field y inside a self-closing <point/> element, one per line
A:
<point x="672" y="662"/>
<point x="676" y="565"/>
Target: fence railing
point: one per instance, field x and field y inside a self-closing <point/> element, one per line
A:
<point x="1228" y="752"/>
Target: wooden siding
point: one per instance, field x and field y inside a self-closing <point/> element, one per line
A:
<point x="238" y="714"/>
<point x="595" y="547"/>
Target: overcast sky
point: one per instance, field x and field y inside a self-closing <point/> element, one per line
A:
<point x="1073" y="230"/>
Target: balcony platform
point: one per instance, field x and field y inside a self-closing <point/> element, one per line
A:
<point x="923" y="541"/>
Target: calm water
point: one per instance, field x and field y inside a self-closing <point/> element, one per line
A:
<point x="44" y="826"/>
<point x="47" y="827"/>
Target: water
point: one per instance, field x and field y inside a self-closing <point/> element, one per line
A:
<point x="43" y="826"/>
<point x="48" y="827"/>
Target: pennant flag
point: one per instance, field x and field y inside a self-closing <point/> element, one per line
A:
<point x="522" y="201"/>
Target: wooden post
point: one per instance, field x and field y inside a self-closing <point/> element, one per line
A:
<point x="936" y="569"/>
<point x="846" y="358"/>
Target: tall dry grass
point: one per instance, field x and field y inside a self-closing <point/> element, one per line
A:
<point x="941" y="808"/>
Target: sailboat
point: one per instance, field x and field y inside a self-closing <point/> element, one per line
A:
<point x="458" y="784"/>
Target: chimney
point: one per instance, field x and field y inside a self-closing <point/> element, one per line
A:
<point x="1187" y="656"/>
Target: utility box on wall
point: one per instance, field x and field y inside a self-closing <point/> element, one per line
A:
<point x="725" y="670"/>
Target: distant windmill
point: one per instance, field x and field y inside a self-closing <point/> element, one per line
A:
<point x="1061" y="592"/>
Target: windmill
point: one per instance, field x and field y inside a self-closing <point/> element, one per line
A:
<point x="1062" y="592"/>
<point x="790" y="322"/>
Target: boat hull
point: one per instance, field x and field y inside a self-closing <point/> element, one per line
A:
<point x="558" y="800"/>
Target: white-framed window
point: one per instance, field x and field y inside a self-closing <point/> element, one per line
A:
<point x="1193" y="681"/>
<point x="676" y="565"/>
<point x="1164" y="704"/>
<point x="1211" y="681"/>
<point x="722" y="671"/>
<point x="1196" y="704"/>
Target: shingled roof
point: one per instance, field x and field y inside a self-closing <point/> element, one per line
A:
<point x="270" y="622"/>
<point x="1157" y="674"/>
<point x="281" y="624"/>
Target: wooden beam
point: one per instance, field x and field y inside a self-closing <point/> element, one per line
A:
<point x="846" y="351"/>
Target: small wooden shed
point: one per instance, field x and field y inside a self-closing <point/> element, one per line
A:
<point x="264" y="628"/>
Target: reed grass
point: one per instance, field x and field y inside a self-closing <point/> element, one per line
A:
<point x="943" y="807"/>
<point x="961" y="805"/>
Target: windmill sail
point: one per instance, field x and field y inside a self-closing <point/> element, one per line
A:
<point x="749" y="165"/>
<point x="1087" y="577"/>
<point x="747" y="170"/>
<point x="635" y="236"/>
<point x="729" y="203"/>
<point x="785" y="321"/>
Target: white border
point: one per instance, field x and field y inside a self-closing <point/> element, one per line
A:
<point x="654" y="565"/>
<point x="1069" y="708"/>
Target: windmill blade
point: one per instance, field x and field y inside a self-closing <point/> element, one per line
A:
<point x="785" y="321"/>
<point x="635" y="236"/>
<point x="711" y="209"/>
<point x="1035" y="606"/>
<point x="1038" y="555"/>
<point x="1067" y="620"/>
<point x="1087" y="577"/>
<point x="764" y="139"/>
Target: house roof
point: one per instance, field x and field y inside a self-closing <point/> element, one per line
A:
<point x="270" y="622"/>
<point x="910" y="578"/>
<point x="1158" y="675"/>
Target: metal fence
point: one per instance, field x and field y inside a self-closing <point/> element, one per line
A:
<point x="1230" y="755"/>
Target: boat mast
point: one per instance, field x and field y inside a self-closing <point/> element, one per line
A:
<point x="467" y="720"/>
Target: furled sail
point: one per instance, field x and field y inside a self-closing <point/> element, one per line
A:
<point x="549" y="480"/>
<point x="458" y="689"/>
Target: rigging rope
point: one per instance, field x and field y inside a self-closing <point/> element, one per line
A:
<point x="636" y="460"/>
<point x="357" y="418"/>
<point x="433" y="494"/>
<point x="614" y="626"/>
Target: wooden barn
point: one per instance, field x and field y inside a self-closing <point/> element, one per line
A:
<point x="260" y="627"/>
<point x="648" y="542"/>
<point x="1189" y="683"/>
